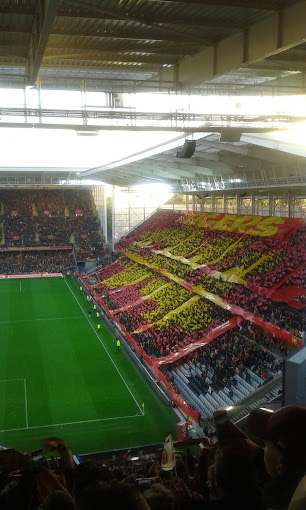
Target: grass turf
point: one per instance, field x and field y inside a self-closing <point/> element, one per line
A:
<point x="60" y="377"/>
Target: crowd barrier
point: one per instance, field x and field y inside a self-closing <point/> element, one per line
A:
<point x="31" y="275"/>
<point x="36" y="248"/>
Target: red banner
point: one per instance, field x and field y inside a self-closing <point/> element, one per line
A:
<point x="128" y="307"/>
<point x="244" y="224"/>
<point x="214" y="333"/>
<point x="287" y="294"/>
<point x="279" y="284"/>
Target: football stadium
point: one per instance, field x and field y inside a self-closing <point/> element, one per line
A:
<point x="153" y="254"/>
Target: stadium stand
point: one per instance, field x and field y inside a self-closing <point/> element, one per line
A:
<point x="38" y="218"/>
<point x="184" y="292"/>
<point x="207" y="304"/>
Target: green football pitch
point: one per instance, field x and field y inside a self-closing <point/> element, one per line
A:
<point x="59" y="376"/>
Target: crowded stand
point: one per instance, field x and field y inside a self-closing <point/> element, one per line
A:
<point x="231" y="472"/>
<point x="59" y="227"/>
<point x="188" y="325"/>
<point x="49" y="203"/>
<point x="38" y="218"/>
<point x="41" y="261"/>
<point x="291" y="319"/>
<point x="133" y="292"/>
<point x="19" y="231"/>
<point x="217" y="256"/>
<point x="179" y="284"/>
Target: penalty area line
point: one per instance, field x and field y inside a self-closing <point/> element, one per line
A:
<point x="73" y="423"/>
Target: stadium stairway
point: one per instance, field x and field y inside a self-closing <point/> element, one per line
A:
<point x="261" y="397"/>
<point x="34" y="209"/>
<point x="2" y="241"/>
<point x="36" y="232"/>
<point x="193" y="391"/>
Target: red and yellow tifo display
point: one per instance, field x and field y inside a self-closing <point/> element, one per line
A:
<point x="186" y="279"/>
<point x="252" y="225"/>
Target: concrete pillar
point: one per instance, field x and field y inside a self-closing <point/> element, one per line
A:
<point x="271" y="204"/>
<point x="213" y="203"/>
<point x="253" y="203"/>
<point x="202" y="203"/>
<point x="238" y="204"/>
<point x="187" y="202"/>
<point x="225" y="197"/>
<point x="193" y="203"/>
<point x="290" y="205"/>
<point x="129" y="206"/>
<point x="113" y="218"/>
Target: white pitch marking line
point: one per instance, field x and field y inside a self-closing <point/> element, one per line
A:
<point x="9" y="380"/>
<point x="72" y="422"/>
<point x="26" y="402"/>
<point x="43" y="319"/>
<point x="104" y="348"/>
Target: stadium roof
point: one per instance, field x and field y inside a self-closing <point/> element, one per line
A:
<point x="196" y="46"/>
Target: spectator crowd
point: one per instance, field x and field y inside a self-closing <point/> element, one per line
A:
<point x="225" y="471"/>
<point x="39" y="218"/>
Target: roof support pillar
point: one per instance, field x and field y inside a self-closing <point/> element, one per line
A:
<point x="290" y="205"/>
<point x="45" y="14"/>
<point x="253" y="203"/>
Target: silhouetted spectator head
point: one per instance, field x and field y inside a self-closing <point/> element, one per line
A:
<point x="159" y="497"/>
<point x="284" y="434"/>
<point x="58" y="501"/>
<point x="235" y="473"/>
<point x="114" y="494"/>
<point x="87" y="473"/>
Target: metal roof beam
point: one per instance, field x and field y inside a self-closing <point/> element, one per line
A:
<point x="266" y="5"/>
<point x="279" y="145"/>
<point x="186" y="164"/>
<point x="63" y="42"/>
<point x="230" y="159"/>
<point x="164" y="171"/>
<point x="88" y="11"/>
<point x="125" y="177"/>
<point x="150" y="173"/>
<point x="269" y="36"/>
<point x="191" y="170"/>
<point x="266" y="154"/>
<point x="109" y="56"/>
<point x="17" y="9"/>
<point x="131" y="34"/>
<point x="45" y="14"/>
